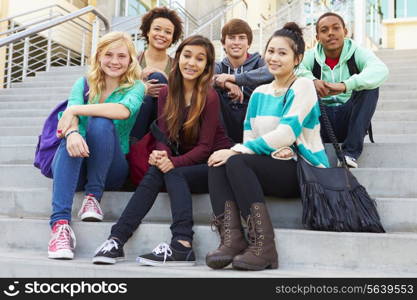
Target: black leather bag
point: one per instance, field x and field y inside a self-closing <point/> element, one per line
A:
<point x="332" y="198"/>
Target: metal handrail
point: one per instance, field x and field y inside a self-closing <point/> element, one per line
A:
<point x="53" y="23"/>
<point x="124" y="21"/>
<point x="30" y="24"/>
<point x="27" y="13"/>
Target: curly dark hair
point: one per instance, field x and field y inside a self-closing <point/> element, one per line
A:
<point x="161" y="12"/>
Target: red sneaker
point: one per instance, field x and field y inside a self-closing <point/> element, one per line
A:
<point x="90" y="210"/>
<point x="62" y="242"/>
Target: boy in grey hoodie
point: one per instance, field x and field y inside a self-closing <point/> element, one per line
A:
<point x="238" y="75"/>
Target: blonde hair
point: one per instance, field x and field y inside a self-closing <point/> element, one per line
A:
<point x="96" y="76"/>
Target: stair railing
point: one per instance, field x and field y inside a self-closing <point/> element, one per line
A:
<point x="30" y="49"/>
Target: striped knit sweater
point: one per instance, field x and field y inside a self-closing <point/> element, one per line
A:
<point x="269" y="125"/>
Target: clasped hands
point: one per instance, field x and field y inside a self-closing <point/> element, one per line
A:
<point x="226" y="81"/>
<point x="325" y="88"/>
<point x="160" y="159"/>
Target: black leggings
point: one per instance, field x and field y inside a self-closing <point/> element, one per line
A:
<point x="247" y="178"/>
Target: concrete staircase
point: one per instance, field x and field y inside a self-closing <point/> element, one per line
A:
<point x="388" y="169"/>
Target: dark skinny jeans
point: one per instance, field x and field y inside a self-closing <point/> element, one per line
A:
<point x="179" y="183"/>
<point x="350" y="121"/>
<point x="148" y="111"/>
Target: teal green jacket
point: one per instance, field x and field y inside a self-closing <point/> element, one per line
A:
<point x="372" y="71"/>
<point x="131" y="98"/>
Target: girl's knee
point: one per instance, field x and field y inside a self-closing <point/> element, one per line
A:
<point x="158" y="76"/>
<point x="100" y="123"/>
<point x="235" y="161"/>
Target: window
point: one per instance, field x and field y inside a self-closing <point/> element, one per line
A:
<point x="405" y="8"/>
<point x="130" y="8"/>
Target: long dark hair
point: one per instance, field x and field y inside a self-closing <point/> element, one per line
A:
<point x="175" y="105"/>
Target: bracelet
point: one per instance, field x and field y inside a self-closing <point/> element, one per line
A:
<point x="71" y="132"/>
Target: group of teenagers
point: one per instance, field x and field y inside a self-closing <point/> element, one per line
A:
<point x="240" y="125"/>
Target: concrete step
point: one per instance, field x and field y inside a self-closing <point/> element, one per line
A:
<point x="24" y="121"/>
<point x="57" y="90"/>
<point x="41" y="83"/>
<point x="389" y="86"/>
<point x="386" y="155"/>
<point x="347" y="251"/>
<point x="62" y="76"/>
<point x="395" y="53"/>
<point x="44" y="103"/>
<point x="397" y="214"/>
<point x="19" y="113"/>
<point x="21" y="131"/>
<point x="380" y="182"/>
<point x="378" y="155"/>
<point x="22" y="175"/>
<point x="397" y="95"/>
<point x="401" y="69"/>
<point x="386" y="104"/>
<point x="24" y="98"/>
<point x="395" y="115"/>
<point x="18" y="140"/>
<point x="393" y="138"/>
<point x="400" y="61"/>
<point x="17" y="154"/>
<point x="35" y="264"/>
<point x="395" y="127"/>
<point x="67" y="78"/>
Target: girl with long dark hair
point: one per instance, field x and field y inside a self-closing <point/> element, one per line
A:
<point x="188" y="114"/>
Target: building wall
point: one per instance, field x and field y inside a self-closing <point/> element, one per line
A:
<point x="400" y="33"/>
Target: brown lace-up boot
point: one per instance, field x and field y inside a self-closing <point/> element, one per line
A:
<point x="261" y="253"/>
<point x="232" y="240"/>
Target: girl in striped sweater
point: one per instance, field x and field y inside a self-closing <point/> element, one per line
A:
<point x="265" y="164"/>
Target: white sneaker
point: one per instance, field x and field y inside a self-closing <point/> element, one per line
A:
<point x="350" y="161"/>
<point x="90" y="210"/>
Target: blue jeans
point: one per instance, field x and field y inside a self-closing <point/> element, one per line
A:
<point x="180" y="183"/>
<point x="350" y="121"/>
<point x="148" y="110"/>
<point x="105" y="168"/>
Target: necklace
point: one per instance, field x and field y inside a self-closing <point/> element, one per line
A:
<point x="279" y="91"/>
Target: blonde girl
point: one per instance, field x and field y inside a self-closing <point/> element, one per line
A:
<point x="95" y="137"/>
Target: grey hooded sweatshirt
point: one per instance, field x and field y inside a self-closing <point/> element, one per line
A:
<point x="248" y="76"/>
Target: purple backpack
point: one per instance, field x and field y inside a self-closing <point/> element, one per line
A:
<point x="48" y="142"/>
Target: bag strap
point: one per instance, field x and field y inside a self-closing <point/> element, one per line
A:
<point x="86" y="90"/>
<point x="316" y="69"/>
<point x="330" y="133"/>
<point x="161" y="137"/>
<point x="328" y="127"/>
<point x="353" y="68"/>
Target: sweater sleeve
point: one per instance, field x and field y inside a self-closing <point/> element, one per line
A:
<point x="254" y="77"/>
<point x="209" y="121"/>
<point x="301" y="101"/>
<point x="373" y="72"/>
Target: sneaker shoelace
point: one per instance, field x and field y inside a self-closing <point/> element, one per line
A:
<point x="90" y="203"/>
<point x="163" y="248"/>
<point x="107" y="246"/>
<point x="64" y="235"/>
